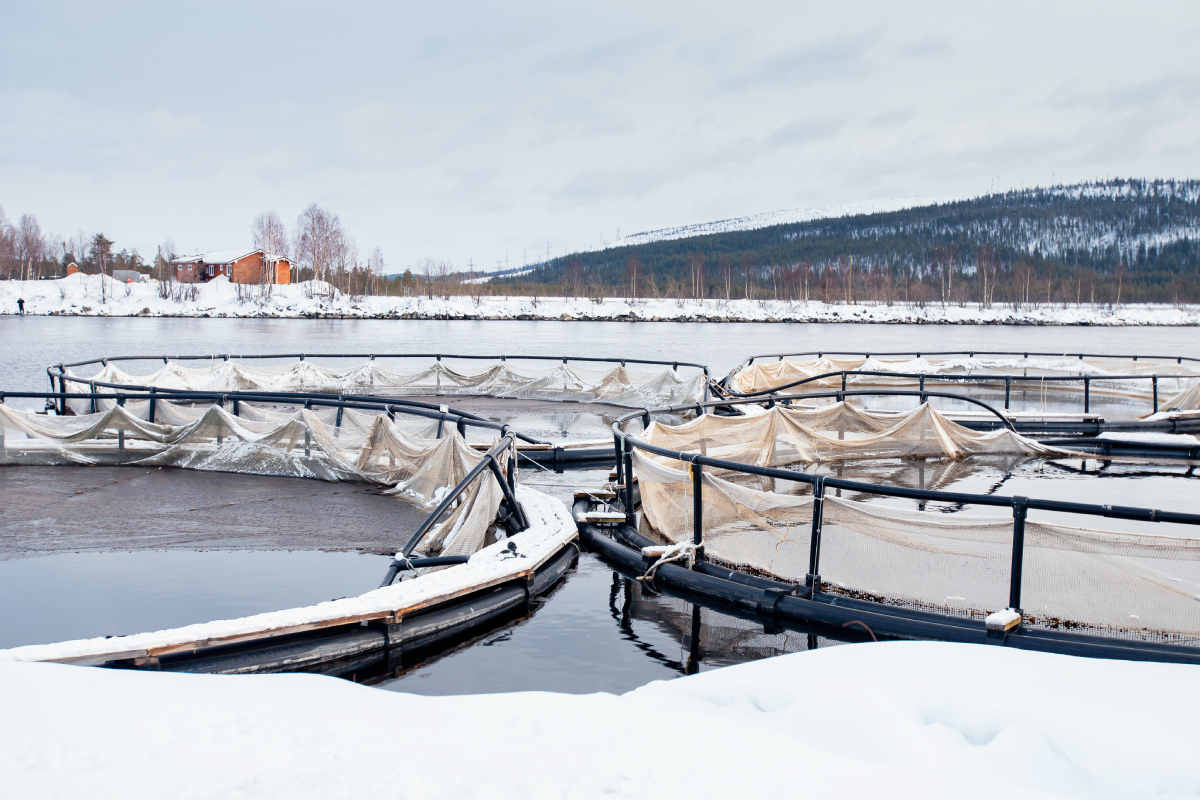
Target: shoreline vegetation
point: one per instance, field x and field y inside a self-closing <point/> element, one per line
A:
<point x="83" y="295"/>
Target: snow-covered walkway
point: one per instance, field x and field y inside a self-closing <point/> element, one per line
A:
<point x="889" y="720"/>
<point x="80" y="295"/>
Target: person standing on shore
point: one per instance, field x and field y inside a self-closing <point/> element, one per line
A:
<point x="21" y="306"/>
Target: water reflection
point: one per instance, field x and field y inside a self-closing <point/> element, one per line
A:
<point x="564" y="645"/>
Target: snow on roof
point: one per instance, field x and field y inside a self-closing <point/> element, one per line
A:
<point x="220" y="256"/>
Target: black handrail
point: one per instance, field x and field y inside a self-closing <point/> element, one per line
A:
<point x="627" y="442"/>
<point x="372" y="356"/>
<point x="460" y="419"/>
<point x="967" y="353"/>
<point x="62" y="377"/>
<point x="977" y="379"/>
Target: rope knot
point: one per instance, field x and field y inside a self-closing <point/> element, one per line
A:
<point x="669" y="553"/>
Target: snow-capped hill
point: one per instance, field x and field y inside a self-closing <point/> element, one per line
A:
<point x="784" y="217"/>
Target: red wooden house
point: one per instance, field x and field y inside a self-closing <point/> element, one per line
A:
<point x="240" y="266"/>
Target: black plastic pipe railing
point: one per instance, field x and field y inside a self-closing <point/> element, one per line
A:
<point x="62" y="368"/>
<point x="490" y="462"/>
<point x="460" y="420"/>
<point x="1020" y="506"/>
<point x="968" y="353"/>
<point x="58" y="372"/>
<point x="1008" y="381"/>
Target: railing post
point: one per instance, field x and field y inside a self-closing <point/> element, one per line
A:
<point x="1087" y="394"/>
<point x="1154" y="408"/>
<point x="93" y="386"/>
<point x="1007" y="390"/>
<point x="617" y="451"/>
<point x="1020" y="511"/>
<point x="629" y="516"/>
<point x="512" y="468"/>
<point x="843" y="380"/>
<point x="697" y="509"/>
<point x="153" y="404"/>
<point x="813" y="578"/>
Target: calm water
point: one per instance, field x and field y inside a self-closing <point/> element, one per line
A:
<point x="29" y="344"/>
<point x="598" y="631"/>
<point x="84" y="595"/>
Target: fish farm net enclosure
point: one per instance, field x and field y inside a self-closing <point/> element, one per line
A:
<point x="721" y="480"/>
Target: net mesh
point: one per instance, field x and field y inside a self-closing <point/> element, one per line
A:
<point x="1118" y="584"/>
<point x="362" y="449"/>
<point x="618" y="386"/>
<point x="1175" y="379"/>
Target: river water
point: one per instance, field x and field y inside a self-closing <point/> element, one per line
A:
<point x="597" y="632"/>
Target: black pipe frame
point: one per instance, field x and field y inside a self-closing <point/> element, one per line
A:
<point x="1008" y="381"/>
<point x="62" y="377"/>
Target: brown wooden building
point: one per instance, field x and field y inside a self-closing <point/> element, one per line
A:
<point x="240" y="266"/>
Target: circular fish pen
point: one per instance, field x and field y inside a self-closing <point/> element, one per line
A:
<point x="730" y="507"/>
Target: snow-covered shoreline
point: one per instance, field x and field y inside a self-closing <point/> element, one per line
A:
<point x="80" y="295"/>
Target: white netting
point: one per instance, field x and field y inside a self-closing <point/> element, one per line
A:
<point x="363" y="449"/>
<point x="1098" y="581"/>
<point x="836" y="432"/>
<point x="618" y="386"/>
<point x="1173" y="377"/>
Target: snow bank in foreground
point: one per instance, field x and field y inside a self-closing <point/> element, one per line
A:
<point x="890" y="720"/>
<point x="79" y="295"/>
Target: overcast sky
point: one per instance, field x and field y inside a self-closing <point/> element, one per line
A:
<point x="476" y="131"/>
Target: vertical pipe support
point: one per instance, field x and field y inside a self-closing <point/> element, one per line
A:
<point x="153" y="404"/>
<point x="628" y="454"/>
<point x="697" y="508"/>
<point x="1087" y="394"/>
<point x="618" y="446"/>
<point x="1154" y="408"/>
<point x="813" y="578"/>
<point x="512" y="465"/>
<point x="1007" y="390"/>
<point x="1020" y="512"/>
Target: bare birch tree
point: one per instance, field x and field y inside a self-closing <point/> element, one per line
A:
<point x="31" y="245"/>
<point x="270" y="234"/>
<point x="317" y="233"/>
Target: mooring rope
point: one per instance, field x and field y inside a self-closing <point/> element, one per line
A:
<point x="669" y="553"/>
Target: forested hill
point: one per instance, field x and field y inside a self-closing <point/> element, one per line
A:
<point x="1112" y="241"/>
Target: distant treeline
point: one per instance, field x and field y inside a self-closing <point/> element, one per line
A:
<point x="1101" y="243"/>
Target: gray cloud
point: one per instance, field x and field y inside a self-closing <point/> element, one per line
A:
<point x="468" y="130"/>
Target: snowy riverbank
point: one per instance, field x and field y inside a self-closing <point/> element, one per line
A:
<point x="80" y="295"/>
<point x="897" y="719"/>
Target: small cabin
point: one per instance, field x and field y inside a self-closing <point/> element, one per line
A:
<point x="240" y="266"/>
